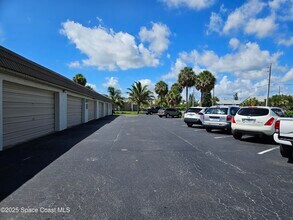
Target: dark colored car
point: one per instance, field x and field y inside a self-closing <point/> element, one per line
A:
<point x="169" y="112"/>
<point x="152" y="110"/>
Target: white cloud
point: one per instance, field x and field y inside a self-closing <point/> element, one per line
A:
<point x="247" y="60"/>
<point x="92" y="85"/>
<point x="111" y="82"/>
<point x="287" y="42"/>
<point x="74" y="64"/>
<point x="157" y="37"/>
<point x="240" y="16"/>
<point x="108" y="50"/>
<point x="216" y="23"/>
<point x="148" y="83"/>
<point x="234" y="43"/>
<point x="288" y="76"/>
<point x="193" y="4"/>
<point x="261" y="27"/>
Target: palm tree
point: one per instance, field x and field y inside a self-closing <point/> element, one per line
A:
<point x="174" y="98"/>
<point x="115" y="96"/>
<point x="161" y="89"/>
<point x="186" y="79"/>
<point x="205" y="83"/>
<point x="139" y="94"/>
<point x="80" y="79"/>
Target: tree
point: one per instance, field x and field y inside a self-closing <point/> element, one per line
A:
<point x="235" y="96"/>
<point x="174" y="95"/>
<point x="115" y="96"/>
<point x="282" y="101"/>
<point x="89" y="87"/>
<point x="215" y="100"/>
<point x="250" y="102"/>
<point x="80" y="79"/>
<point x="161" y="89"/>
<point x="139" y="94"/>
<point x="186" y="79"/>
<point x="205" y="83"/>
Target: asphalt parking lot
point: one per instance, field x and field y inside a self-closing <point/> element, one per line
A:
<point x="146" y="167"/>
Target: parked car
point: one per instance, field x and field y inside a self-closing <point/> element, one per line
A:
<point x="284" y="136"/>
<point x="169" y="112"/>
<point x="219" y="117"/>
<point x="194" y="115"/>
<point x="256" y="120"/>
<point x="152" y="110"/>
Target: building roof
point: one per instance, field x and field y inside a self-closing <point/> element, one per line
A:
<point x="229" y="102"/>
<point x="16" y="63"/>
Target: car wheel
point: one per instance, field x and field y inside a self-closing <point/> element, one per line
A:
<point x="208" y="129"/>
<point x="189" y="125"/>
<point x="151" y="113"/>
<point x="286" y="151"/>
<point x="237" y="135"/>
<point x="167" y="116"/>
<point x="179" y="116"/>
<point x="160" y="116"/>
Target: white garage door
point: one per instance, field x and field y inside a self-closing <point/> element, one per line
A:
<point x="91" y="105"/>
<point x="74" y="109"/>
<point x="101" y="109"/>
<point x="27" y="113"/>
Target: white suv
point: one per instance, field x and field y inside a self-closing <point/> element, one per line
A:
<point x="194" y="115"/>
<point x="256" y="120"/>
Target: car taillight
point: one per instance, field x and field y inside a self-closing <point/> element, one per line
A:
<point x="233" y="120"/>
<point x="277" y="126"/>
<point x="270" y="122"/>
<point x="229" y="117"/>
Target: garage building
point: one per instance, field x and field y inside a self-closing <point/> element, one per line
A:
<point x="35" y="101"/>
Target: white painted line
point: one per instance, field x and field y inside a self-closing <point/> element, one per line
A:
<point x="222" y="137"/>
<point x="265" y="151"/>
<point x="124" y="150"/>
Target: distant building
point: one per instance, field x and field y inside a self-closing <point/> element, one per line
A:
<point x="229" y="102"/>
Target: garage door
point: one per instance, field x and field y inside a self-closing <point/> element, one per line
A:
<point x="91" y="108"/>
<point x="74" y="109"/>
<point x="27" y="113"/>
<point x="101" y="109"/>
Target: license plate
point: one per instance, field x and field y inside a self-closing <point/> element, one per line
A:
<point x="214" y="119"/>
<point x="248" y="121"/>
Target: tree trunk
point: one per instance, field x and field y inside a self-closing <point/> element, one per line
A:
<point x="138" y="107"/>
<point x="201" y="98"/>
<point x="186" y="98"/>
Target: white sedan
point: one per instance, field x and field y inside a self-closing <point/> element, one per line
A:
<point x="256" y="120"/>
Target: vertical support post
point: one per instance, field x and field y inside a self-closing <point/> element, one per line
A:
<point x="269" y="85"/>
<point x="85" y="111"/>
<point x="1" y="114"/>
<point x="60" y="110"/>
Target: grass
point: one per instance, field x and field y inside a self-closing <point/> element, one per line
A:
<point x="125" y="112"/>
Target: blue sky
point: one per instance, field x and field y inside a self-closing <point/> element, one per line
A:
<point x="118" y="42"/>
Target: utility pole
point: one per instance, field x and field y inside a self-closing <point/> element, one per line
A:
<point x="269" y="85"/>
<point x="279" y="90"/>
<point x="213" y="102"/>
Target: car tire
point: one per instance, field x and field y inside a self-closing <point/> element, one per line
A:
<point x="237" y="135"/>
<point x="286" y="151"/>
<point x="209" y="130"/>
<point x="167" y="116"/>
<point x="179" y="116"/>
<point x="189" y="125"/>
<point x="151" y="113"/>
<point x="160" y="116"/>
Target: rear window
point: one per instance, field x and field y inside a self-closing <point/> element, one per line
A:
<point x="195" y="110"/>
<point x="279" y="112"/>
<point x="217" y="111"/>
<point x="253" y="111"/>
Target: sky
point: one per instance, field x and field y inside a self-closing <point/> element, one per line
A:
<point x="115" y="43"/>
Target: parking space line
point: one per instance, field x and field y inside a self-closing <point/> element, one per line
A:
<point x="220" y="137"/>
<point x="266" y="151"/>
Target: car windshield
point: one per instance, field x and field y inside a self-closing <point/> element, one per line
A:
<point x="217" y="111"/>
<point x="195" y="110"/>
<point x="253" y="111"/>
<point x="279" y="112"/>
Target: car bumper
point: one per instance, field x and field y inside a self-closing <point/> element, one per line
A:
<point x="282" y="141"/>
<point x="192" y="120"/>
<point x="217" y="125"/>
<point x="253" y="130"/>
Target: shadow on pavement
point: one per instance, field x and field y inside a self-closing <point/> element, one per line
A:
<point x="22" y="162"/>
<point x="259" y="140"/>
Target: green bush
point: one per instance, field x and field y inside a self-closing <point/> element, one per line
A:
<point x="289" y="113"/>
